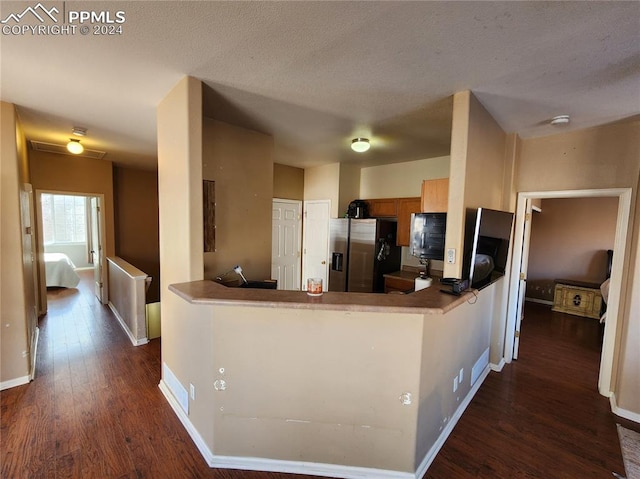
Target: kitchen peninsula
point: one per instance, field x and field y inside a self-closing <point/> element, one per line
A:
<point x="344" y="385"/>
<point x="427" y="301"/>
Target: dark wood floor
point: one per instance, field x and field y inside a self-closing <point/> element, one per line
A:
<point x="95" y="410"/>
<point x="542" y="417"/>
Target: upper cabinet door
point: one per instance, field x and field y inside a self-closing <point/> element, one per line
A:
<point x="381" y="208"/>
<point x="406" y="206"/>
<point x="435" y="195"/>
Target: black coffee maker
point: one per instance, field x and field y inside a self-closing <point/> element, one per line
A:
<point x="358" y="209"/>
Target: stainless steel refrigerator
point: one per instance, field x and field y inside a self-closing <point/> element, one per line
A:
<point x="362" y="251"/>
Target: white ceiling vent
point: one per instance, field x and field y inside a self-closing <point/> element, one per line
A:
<point x="62" y="149"/>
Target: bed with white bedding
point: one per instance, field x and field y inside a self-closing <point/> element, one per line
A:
<point x="60" y="271"/>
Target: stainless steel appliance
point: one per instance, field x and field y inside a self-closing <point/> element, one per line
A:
<point x="428" y="237"/>
<point x="362" y="251"/>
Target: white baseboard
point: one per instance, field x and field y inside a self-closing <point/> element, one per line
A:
<point x="631" y="416"/>
<point x="34" y="354"/>
<point x="12" y="383"/>
<point x="431" y="455"/>
<point x="274" y="465"/>
<point x="307" y="468"/>
<point x="540" y="301"/>
<point x="186" y="422"/>
<point x="123" y="325"/>
<point x="498" y="367"/>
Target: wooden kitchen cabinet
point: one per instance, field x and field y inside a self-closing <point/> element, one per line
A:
<point x="435" y="196"/>
<point x="406" y="206"/>
<point x="384" y="207"/>
<point x="398" y="284"/>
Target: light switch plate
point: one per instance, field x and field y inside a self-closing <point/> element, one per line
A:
<point x="451" y="256"/>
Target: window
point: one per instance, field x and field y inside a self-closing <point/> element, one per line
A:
<point x="64" y="219"/>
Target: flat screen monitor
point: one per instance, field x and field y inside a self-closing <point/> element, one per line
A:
<point x="487" y="241"/>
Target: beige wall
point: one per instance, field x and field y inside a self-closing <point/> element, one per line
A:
<point x="335" y="383"/>
<point x="481" y="163"/>
<point x="511" y="155"/>
<point x="136" y="223"/>
<point x="450" y="342"/>
<point x="569" y="239"/>
<point x="349" y="186"/>
<point x="288" y="182"/>
<point x="55" y="172"/>
<point x="485" y="166"/>
<point x="323" y="183"/>
<point x="179" y="118"/>
<point x="14" y="344"/>
<point x="400" y="180"/>
<point x="594" y="158"/>
<point x="240" y="161"/>
<point x="599" y="157"/>
<point x="333" y="386"/>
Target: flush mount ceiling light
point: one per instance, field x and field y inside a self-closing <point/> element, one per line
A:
<point x="560" y="120"/>
<point x="74" y="146"/>
<point x="360" y="144"/>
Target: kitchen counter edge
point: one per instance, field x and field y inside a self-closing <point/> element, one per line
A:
<point x="426" y="301"/>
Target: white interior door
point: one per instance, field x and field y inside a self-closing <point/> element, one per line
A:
<point x="286" y="243"/>
<point x="29" y="268"/>
<point x="522" y="283"/>
<point x="315" y="241"/>
<point x="97" y="251"/>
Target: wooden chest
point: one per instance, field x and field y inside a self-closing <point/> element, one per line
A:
<point x="579" y="298"/>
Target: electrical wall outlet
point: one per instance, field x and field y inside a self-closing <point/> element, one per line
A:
<point x="451" y="255"/>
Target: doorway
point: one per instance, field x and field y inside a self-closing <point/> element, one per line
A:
<point x="71" y="225"/>
<point x="519" y="268"/>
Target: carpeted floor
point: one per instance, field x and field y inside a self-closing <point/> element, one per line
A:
<point x="630" y="444"/>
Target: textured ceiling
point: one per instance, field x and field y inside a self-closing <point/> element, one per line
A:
<point x="316" y="74"/>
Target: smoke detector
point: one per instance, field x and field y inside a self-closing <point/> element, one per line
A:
<point x="560" y="120"/>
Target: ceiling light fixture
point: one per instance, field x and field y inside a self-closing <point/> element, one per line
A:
<point x="560" y="120"/>
<point x="360" y="145"/>
<point x="74" y="146"/>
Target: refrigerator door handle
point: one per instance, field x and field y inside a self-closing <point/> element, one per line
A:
<point x="336" y="261"/>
